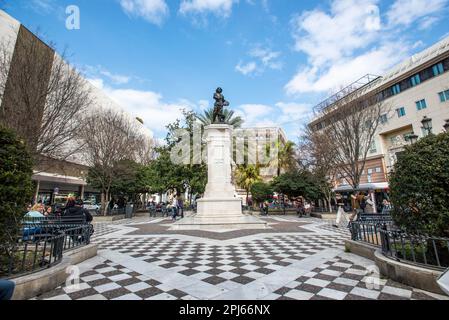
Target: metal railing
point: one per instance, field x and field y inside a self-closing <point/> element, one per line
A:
<point x="32" y="256"/>
<point x="41" y="245"/>
<point x="75" y="235"/>
<point x="416" y="249"/>
<point x="368" y="232"/>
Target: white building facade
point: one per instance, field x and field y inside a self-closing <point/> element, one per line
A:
<point x="416" y="97"/>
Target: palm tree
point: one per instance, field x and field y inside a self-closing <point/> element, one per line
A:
<point x="246" y="176"/>
<point x="207" y="118"/>
<point x="286" y="158"/>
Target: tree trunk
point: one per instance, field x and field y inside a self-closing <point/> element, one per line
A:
<point x="105" y="212"/>
<point x="103" y="202"/>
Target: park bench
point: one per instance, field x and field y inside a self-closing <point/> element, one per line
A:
<point x="37" y="229"/>
<point x="375" y="218"/>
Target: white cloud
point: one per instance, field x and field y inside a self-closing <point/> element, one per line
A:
<point x="325" y="38"/>
<point x="99" y="72"/>
<point x="405" y="12"/>
<point x="247" y="68"/>
<point x="97" y="82"/>
<point x="147" y="105"/>
<point x="265" y="59"/>
<point x="154" y="11"/>
<point x="253" y="113"/>
<point x="350" y="41"/>
<point x="203" y="105"/>
<point x="280" y="115"/>
<point x="376" y="61"/>
<point x="45" y="6"/>
<point x="221" y="8"/>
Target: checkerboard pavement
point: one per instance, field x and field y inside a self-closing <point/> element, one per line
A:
<point x="341" y="279"/>
<point x="215" y="264"/>
<point x="112" y="281"/>
<point x="182" y="267"/>
<point x="105" y="228"/>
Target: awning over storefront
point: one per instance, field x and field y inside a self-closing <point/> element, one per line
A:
<point x="364" y="186"/>
<point x="51" y="177"/>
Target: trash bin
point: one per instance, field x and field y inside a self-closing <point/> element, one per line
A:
<point x="129" y="211"/>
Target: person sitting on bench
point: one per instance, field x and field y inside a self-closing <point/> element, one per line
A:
<point x="74" y="209"/>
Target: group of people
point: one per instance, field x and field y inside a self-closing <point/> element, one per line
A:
<point x="361" y="203"/>
<point x="73" y="208"/>
<point x="40" y="208"/>
<point x="174" y="208"/>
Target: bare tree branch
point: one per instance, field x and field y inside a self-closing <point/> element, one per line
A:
<point x="351" y="124"/>
<point x="44" y="97"/>
<point x="109" y="137"/>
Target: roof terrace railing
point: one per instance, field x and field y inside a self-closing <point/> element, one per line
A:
<point x="356" y="85"/>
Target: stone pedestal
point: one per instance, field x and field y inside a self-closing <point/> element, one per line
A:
<point x="220" y="209"/>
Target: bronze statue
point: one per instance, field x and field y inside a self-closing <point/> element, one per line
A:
<point x="220" y="103"/>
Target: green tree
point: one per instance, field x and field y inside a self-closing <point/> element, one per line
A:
<point x="419" y="186"/>
<point x="297" y="184"/>
<point x="261" y="191"/>
<point x="286" y="159"/>
<point x="129" y="179"/>
<point x="191" y="177"/>
<point x="16" y="169"/>
<point x="246" y="176"/>
<point x="207" y="118"/>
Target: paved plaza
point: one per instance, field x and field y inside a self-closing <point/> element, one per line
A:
<point x="299" y="259"/>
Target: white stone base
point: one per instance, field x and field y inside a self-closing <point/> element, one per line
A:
<point x="219" y="210"/>
<point x="220" y="224"/>
<point x="219" y="207"/>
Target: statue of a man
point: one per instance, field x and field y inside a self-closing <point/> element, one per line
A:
<point x="220" y="103"/>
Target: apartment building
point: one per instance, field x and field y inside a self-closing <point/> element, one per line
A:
<point x="416" y="96"/>
<point x="58" y="178"/>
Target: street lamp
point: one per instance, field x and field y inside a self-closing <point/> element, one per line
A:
<point x="412" y="137"/>
<point x="446" y="126"/>
<point x="427" y="124"/>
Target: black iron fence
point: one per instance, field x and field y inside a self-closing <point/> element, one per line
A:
<point x="31" y="256"/>
<point x="422" y="250"/>
<point x="41" y="244"/>
<point x="368" y="232"/>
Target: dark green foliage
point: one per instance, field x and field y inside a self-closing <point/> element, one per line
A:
<point x="230" y="118"/>
<point x="261" y="191"/>
<point x="16" y="169"/>
<point x="420" y="186"/>
<point x="297" y="184"/>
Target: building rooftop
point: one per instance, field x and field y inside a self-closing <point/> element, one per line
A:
<point x="371" y="82"/>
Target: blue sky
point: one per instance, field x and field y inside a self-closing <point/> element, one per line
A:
<point x="275" y="59"/>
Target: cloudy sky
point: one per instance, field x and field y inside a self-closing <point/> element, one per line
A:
<point x="275" y="59"/>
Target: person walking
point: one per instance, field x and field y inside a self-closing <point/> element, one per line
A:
<point x="174" y="209"/>
<point x="181" y="207"/>
<point x="386" y="207"/>
<point x="357" y="203"/>
<point x="341" y="214"/>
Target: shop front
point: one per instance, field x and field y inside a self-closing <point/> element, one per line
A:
<point x="377" y="191"/>
<point x="55" y="189"/>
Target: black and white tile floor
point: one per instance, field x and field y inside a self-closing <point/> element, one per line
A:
<point x="301" y="266"/>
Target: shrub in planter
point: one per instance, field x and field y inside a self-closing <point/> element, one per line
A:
<point x="419" y="187"/>
<point x="16" y="169"/>
<point x="261" y="191"/>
